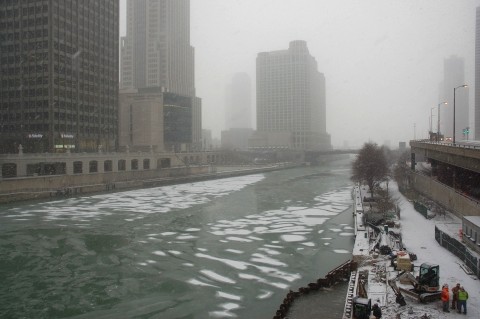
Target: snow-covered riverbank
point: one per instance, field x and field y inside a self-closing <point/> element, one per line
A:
<point x="418" y="236"/>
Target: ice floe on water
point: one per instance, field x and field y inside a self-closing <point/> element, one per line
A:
<point x="263" y="259"/>
<point x="264" y="294"/>
<point x="347" y="234"/>
<point x="225" y="295"/>
<point x="226" y="312"/>
<point x="234" y="251"/>
<point x="186" y="237"/>
<point x="293" y="238"/>
<point x="341" y="251"/>
<point x="240" y="265"/>
<point x="159" y="253"/>
<point x="277" y="273"/>
<point x="168" y="233"/>
<point x="196" y="282"/>
<point x="140" y="202"/>
<point x="233" y="238"/>
<point x="309" y="244"/>
<point x="259" y="279"/>
<point x="270" y="251"/>
<point x="216" y="277"/>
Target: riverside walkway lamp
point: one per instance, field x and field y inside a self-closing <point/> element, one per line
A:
<point x="438" y="120"/>
<point x="454" y="90"/>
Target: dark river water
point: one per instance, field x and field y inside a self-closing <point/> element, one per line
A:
<point x="228" y="248"/>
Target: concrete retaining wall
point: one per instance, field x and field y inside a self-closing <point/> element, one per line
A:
<point x="63" y="185"/>
<point x="452" y="200"/>
<point x="38" y="187"/>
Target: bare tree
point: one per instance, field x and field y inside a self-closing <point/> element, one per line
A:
<point x="370" y="166"/>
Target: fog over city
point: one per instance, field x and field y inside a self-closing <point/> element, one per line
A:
<point x="382" y="59"/>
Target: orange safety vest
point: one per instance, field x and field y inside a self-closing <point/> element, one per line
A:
<point x="445" y="294"/>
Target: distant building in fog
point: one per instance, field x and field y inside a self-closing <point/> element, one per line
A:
<point x="454" y="76"/>
<point x="238" y="111"/>
<point x="156" y="52"/>
<point x="291" y="107"/>
<point x="477" y="76"/>
<point x="236" y="138"/>
<point x="59" y="75"/>
<point x="207" y="139"/>
<point x="238" y="114"/>
<point x="402" y="146"/>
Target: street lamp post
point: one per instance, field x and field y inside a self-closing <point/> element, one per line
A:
<point x="454" y="90"/>
<point x="431" y="123"/>
<point x="438" y="120"/>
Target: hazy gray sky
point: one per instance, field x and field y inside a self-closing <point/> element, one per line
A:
<point x="382" y="59"/>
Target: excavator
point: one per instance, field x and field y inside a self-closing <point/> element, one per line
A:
<point x="425" y="286"/>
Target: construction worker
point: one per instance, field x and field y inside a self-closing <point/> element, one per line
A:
<point x="462" y="301"/>
<point x="377" y="312"/>
<point x="455" y="291"/>
<point x="445" y="298"/>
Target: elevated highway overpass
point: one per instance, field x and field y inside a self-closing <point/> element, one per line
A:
<point x="454" y="177"/>
<point x="464" y="155"/>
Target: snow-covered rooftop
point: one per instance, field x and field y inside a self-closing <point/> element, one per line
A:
<point x="473" y="219"/>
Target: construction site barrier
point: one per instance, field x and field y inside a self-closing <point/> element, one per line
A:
<point x="458" y="249"/>
<point x="421" y="209"/>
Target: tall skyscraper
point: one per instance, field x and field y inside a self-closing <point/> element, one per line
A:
<point x="454" y="76"/>
<point x="477" y="76"/>
<point x="156" y="52"/>
<point x="291" y="107"/>
<point x="238" y="110"/>
<point x="58" y="75"/>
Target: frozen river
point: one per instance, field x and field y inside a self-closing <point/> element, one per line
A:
<point x="229" y="248"/>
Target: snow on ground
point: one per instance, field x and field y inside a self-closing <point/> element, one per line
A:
<point x="418" y="235"/>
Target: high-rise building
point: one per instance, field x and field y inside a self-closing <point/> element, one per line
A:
<point x="477" y="76"/>
<point x="156" y="52"/>
<point x="152" y="119"/>
<point x="238" y="110"/>
<point x="58" y="75"/>
<point x="291" y="107"/>
<point x="454" y="76"/>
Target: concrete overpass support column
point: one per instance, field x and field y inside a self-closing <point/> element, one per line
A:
<point x="69" y="167"/>
<point x="115" y="165"/>
<point x="21" y="169"/>
<point x="101" y="166"/>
